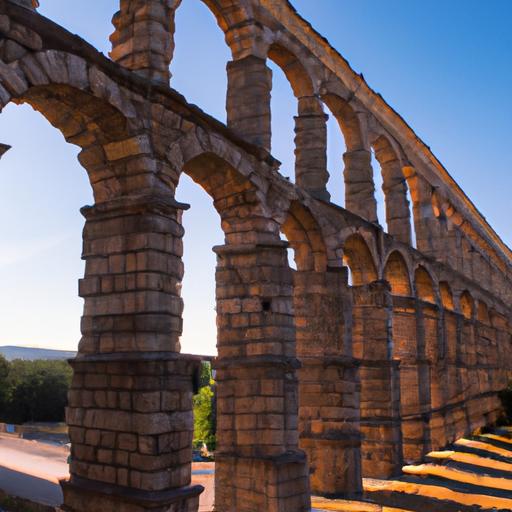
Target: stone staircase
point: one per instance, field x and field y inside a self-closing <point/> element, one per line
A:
<point x="474" y="475"/>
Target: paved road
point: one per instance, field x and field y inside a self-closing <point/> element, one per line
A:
<point x="31" y="470"/>
<point x="29" y="487"/>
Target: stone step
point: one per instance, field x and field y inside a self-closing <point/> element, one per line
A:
<point x="435" y="494"/>
<point x="494" y="440"/>
<point x="467" y="458"/>
<point x="463" y="448"/>
<point x="500" y="436"/>
<point x="477" y="478"/>
<point x="327" y="505"/>
<point x="473" y="464"/>
<point x="475" y="475"/>
<point x="486" y="447"/>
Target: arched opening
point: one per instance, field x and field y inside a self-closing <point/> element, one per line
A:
<point x="380" y="200"/>
<point x="358" y="258"/>
<point x="483" y="313"/>
<point x="320" y="311"/>
<point x="213" y="319"/>
<point x="304" y="235"/>
<point x="396" y="274"/>
<point x="254" y="302"/>
<point x="44" y="187"/>
<point x="358" y="171"/>
<point x="86" y="120"/>
<point x="411" y="219"/>
<point x="446" y="295"/>
<point x="303" y="116"/>
<point x="207" y="55"/>
<point x="336" y="148"/>
<point x="283" y="108"/>
<point x="467" y="305"/>
<point x="424" y="285"/>
<point x="202" y="232"/>
<point x="394" y="201"/>
<point x="308" y="251"/>
<point x="95" y="125"/>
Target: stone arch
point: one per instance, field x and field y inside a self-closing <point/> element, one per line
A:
<point x="348" y="121"/>
<point x="424" y="285"/>
<point x="88" y="108"/>
<point x="294" y="70"/>
<point x="198" y="146"/>
<point x="358" y="172"/>
<point x="310" y="123"/>
<point x="466" y="305"/>
<point x="229" y="12"/>
<point x="446" y="296"/>
<point x="396" y="273"/>
<point x="305" y="237"/>
<point x="232" y="18"/>
<point x="234" y="197"/>
<point x="358" y="257"/>
<point x="394" y="185"/>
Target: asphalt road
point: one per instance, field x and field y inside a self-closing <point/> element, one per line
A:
<point x="29" y="487"/>
<point x="31" y="470"/>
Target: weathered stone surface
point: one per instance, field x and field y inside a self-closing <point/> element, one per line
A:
<point x="370" y="353"/>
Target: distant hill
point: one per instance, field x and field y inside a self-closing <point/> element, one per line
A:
<point x="31" y="354"/>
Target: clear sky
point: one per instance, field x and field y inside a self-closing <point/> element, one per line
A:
<point x="446" y="67"/>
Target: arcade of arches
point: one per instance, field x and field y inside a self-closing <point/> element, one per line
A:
<point x="367" y="355"/>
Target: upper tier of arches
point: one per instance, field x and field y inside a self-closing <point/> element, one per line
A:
<point x="103" y="108"/>
<point x="321" y="80"/>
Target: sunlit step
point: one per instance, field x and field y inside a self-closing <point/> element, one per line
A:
<point x="480" y="445"/>
<point x="437" y="493"/>
<point x="465" y="477"/>
<point x="469" y="458"/>
<point x="496" y="437"/>
<point x="324" y="505"/>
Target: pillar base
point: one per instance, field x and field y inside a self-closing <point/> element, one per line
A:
<point x="83" y="495"/>
<point x="329" y="424"/>
<point x="335" y="464"/>
<point x="130" y="424"/>
<point x="270" y="484"/>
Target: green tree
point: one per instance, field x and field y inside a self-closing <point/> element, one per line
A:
<point x="5" y="386"/>
<point x="204" y="409"/>
<point x="205" y="375"/>
<point x="37" y="391"/>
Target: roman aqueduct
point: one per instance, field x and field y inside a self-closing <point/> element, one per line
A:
<point x="371" y="353"/>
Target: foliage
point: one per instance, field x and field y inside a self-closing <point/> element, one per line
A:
<point x="204" y="409"/>
<point x="33" y="390"/>
<point x="4" y="387"/>
<point x="506" y="400"/>
<point x="205" y="375"/>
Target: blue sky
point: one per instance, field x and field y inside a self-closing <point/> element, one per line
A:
<point x="444" y="66"/>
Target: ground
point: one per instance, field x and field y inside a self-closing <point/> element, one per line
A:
<point x="475" y="474"/>
<point x="32" y="469"/>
